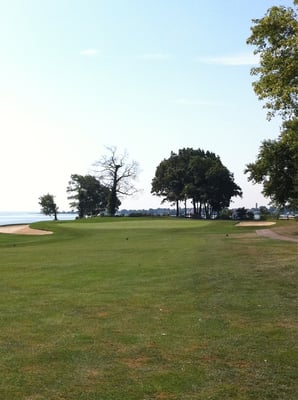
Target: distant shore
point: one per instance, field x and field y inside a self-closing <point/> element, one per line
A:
<point x="28" y="217"/>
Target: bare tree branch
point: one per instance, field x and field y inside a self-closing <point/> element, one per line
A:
<point x="118" y="173"/>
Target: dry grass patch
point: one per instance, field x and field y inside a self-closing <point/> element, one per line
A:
<point x="138" y="362"/>
<point x="165" y="396"/>
<point x="290" y="230"/>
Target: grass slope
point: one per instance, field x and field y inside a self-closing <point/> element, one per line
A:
<point x="147" y="309"/>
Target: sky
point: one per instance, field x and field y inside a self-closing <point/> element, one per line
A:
<point x="146" y="76"/>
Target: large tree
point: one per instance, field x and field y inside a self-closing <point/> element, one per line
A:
<point x="276" y="167"/>
<point x="169" y="180"/>
<point x="48" y="205"/>
<point x="87" y="195"/>
<point x="220" y="188"/>
<point x="196" y="175"/>
<point x="275" y="37"/>
<point x="118" y="173"/>
<point x="212" y="184"/>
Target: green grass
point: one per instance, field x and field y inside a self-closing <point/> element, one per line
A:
<point x="129" y="308"/>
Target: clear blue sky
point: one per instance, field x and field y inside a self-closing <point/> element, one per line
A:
<point x="148" y="76"/>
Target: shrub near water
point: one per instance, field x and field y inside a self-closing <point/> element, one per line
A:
<point x="147" y="309"/>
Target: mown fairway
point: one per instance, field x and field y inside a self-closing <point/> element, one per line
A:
<point x="148" y="309"/>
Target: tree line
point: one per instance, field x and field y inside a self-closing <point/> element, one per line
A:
<point x="190" y="174"/>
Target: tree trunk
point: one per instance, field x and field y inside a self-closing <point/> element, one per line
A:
<point x="194" y="206"/>
<point x="200" y="210"/>
<point x="113" y="196"/>
<point x="177" y="208"/>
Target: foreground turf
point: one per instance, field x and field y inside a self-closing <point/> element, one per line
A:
<point x="148" y="309"/>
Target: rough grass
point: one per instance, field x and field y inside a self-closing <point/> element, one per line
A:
<point x="287" y="228"/>
<point x="147" y="309"/>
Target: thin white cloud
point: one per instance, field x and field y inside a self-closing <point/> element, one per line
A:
<point x="88" y="52"/>
<point x="196" y="102"/>
<point x="156" y="56"/>
<point x="233" y="60"/>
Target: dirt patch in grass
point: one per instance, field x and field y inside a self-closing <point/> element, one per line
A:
<point x="287" y="230"/>
<point x="274" y="235"/>
<point x="137" y="362"/>
<point x="249" y="236"/>
<point x="240" y="364"/>
<point x="208" y="358"/>
<point x="102" y="314"/>
<point x="164" y="396"/>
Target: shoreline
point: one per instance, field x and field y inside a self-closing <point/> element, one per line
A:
<point x="28" y="217"/>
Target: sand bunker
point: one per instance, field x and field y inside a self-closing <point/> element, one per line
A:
<point x="267" y="232"/>
<point x="23" y="230"/>
<point x="255" y="223"/>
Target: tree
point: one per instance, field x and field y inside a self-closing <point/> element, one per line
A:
<point x="225" y="213"/>
<point x="88" y="196"/>
<point x="264" y="212"/>
<point x="220" y="188"/>
<point x="276" y="39"/>
<point x="276" y="167"/>
<point x="196" y="175"/>
<point x="241" y="213"/>
<point x="196" y="164"/>
<point x="117" y="172"/>
<point x="48" y="205"/>
<point x="169" y="180"/>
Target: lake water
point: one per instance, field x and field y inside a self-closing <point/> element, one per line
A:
<point x="27" y="217"/>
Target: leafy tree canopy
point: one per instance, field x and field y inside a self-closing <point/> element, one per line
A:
<point x="48" y="205"/>
<point x="275" y="37"/>
<point x="196" y="175"/>
<point x="276" y="167"/>
<point x="87" y="195"/>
